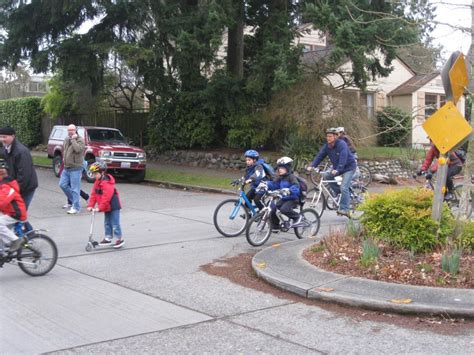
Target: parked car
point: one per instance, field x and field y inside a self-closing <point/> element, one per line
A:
<point x="105" y="144"/>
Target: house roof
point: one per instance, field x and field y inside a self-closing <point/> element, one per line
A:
<point x="413" y="84"/>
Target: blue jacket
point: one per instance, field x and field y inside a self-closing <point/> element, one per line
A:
<point x="256" y="173"/>
<point x="287" y="181"/>
<point x="340" y="156"/>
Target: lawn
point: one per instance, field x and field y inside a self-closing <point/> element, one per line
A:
<point x="45" y="161"/>
<point x="194" y="179"/>
<point x="390" y="153"/>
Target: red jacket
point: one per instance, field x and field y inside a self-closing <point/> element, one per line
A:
<point x="105" y="195"/>
<point x="11" y="202"/>
<point x="434" y="153"/>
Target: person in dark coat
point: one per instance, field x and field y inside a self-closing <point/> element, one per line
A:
<point x="20" y="164"/>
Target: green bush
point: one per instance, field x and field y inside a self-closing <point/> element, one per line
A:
<point x="395" y="125"/>
<point x="403" y="219"/>
<point x="24" y="115"/>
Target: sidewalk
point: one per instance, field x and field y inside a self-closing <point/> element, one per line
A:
<point x="284" y="267"/>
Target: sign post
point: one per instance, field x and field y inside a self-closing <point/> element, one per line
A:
<point x="447" y="128"/>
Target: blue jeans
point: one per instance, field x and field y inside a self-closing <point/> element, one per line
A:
<point x="344" y="189"/>
<point x="70" y="183"/>
<point x="112" y="224"/>
<point x="27" y="198"/>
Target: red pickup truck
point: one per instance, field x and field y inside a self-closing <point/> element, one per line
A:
<point x="105" y="144"/>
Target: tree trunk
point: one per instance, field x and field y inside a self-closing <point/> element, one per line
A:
<point x="235" y="41"/>
<point x="469" y="165"/>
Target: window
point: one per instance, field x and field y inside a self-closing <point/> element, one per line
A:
<point x="367" y="102"/>
<point x="105" y="135"/>
<point x="431" y="104"/>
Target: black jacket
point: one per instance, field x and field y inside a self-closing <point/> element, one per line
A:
<point x="20" y="167"/>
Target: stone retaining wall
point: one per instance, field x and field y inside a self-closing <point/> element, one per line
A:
<point x="213" y="160"/>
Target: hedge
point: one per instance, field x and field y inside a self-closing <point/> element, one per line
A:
<point x="24" y="115"/>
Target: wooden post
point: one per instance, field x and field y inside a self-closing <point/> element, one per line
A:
<point x="440" y="188"/>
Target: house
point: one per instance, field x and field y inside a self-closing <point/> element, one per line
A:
<point x="421" y="96"/>
<point x="417" y="94"/>
<point x="23" y="86"/>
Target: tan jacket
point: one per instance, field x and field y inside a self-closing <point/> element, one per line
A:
<point x="73" y="150"/>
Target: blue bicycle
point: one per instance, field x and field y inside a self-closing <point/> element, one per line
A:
<point x="232" y="216"/>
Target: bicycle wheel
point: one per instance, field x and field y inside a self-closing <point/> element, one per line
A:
<point x="332" y="203"/>
<point x="315" y="177"/>
<point x="316" y="200"/>
<point x="365" y="176"/>
<point x="259" y="229"/>
<point x="357" y="197"/>
<point x="230" y="218"/>
<point x="312" y="218"/>
<point x="37" y="256"/>
<point x="455" y="202"/>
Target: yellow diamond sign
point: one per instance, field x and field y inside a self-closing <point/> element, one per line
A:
<point x="447" y="128"/>
<point x="458" y="77"/>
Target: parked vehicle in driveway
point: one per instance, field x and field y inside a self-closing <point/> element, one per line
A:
<point x="102" y="144"/>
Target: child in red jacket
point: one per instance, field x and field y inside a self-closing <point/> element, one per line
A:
<point x="106" y="196"/>
<point x="12" y="208"/>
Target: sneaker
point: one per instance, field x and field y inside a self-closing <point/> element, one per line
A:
<point x="346" y="213"/>
<point x="299" y="220"/>
<point x="119" y="243"/>
<point x="15" y="245"/>
<point x="72" y="210"/>
<point x="67" y="206"/>
<point x="105" y="242"/>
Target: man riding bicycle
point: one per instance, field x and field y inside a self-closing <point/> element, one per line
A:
<point x="454" y="167"/>
<point x="344" y="164"/>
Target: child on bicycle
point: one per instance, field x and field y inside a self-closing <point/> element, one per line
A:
<point x="254" y="174"/>
<point x="12" y="208"/>
<point x="288" y="183"/>
<point x="106" y="196"/>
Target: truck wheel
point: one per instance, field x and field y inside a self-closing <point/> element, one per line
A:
<point x="87" y="175"/>
<point x="136" y="176"/>
<point x="57" y="161"/>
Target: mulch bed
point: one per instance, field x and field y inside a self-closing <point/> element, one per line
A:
<point x="342" y="254"/>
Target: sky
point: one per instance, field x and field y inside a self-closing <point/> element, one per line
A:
<point x="455" y="13"/>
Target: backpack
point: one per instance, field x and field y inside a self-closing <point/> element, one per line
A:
<point x="303" y="188"/>
<point x="269" y="171"/>
<point x="461" y="154"/>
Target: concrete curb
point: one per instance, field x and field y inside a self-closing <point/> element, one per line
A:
<point x="285" y="268"/>
<point x="170" y="185"/>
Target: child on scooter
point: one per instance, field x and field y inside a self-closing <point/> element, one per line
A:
<point x="106" y="196"/>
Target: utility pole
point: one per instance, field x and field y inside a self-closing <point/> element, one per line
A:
<point x="469" y="165"/>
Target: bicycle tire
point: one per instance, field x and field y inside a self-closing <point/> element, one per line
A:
<point x="235" y="229"/>
<point x="365" y="175"/>
<point x="454" y="204"/>
<point x="31" y="249"/>
<point x="255" y="222"/>
<point x="313" y="229"/>
<point x="316" y="200"/>
<point x="315" y="177"/>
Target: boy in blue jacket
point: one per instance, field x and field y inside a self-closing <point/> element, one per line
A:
<point x="344" y="164"/>
<point x="254" y="175"/>
<point x="286" y="180"/>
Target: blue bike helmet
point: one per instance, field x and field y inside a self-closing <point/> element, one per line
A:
<point x="251" y="154"/>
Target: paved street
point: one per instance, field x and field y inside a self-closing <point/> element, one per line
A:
<point x="152" y="297"/>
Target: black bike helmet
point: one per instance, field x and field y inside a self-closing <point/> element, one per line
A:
<point x="3" y="164"/>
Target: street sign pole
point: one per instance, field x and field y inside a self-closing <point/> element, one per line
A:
<point x="440" y="189"/>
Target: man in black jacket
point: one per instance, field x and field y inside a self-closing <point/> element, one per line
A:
<point x="20" y="164"/>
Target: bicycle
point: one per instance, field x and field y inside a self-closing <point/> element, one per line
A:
<point x="37" y="255"/>
<point x="260" y="226"/>
<point x="455" y="200"/>
<point x="322" y="196"/>
<point x="231" y="216"/>
<point x="362" y="176"/>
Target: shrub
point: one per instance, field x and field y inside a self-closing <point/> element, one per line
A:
<point x="465" y="238"/>
<point x="24" y="115"/>
<point x="403" y="218"/>
<point x="395" y="125"/>
<point x="370" y="253"/>
<point x="451" y="261"/>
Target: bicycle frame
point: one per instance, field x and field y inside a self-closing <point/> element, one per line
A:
<point x="243" y="199"/>
<point x="323" y="188"/>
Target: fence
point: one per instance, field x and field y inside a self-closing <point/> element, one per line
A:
<point x="132" y="124"/>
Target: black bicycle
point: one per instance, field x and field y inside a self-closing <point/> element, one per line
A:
<point x="37" y="255"/>
<point x="260" y="226"/>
